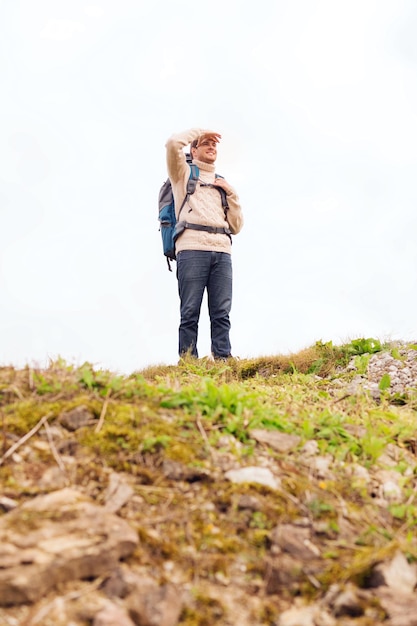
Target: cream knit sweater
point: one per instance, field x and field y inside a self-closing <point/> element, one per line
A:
<point x="204" y="205"/>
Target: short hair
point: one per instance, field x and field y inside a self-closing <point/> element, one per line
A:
<point x="193" y="144"/>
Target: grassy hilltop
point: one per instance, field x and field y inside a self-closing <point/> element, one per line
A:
<point x="176" y="431"/>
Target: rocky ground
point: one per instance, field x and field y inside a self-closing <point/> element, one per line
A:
<point x="215" y="528"/>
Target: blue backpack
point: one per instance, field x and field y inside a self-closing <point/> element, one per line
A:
<point x="170" y="228"/>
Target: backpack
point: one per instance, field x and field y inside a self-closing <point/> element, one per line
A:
<point x="169" y="227"/>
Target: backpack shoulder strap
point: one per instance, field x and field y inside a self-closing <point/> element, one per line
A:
<point x="191" y="184"/>
<point x="194" y="176"/>
<point x="223" y="196"/>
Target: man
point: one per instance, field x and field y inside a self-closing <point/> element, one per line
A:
<point x="203" y="256"/>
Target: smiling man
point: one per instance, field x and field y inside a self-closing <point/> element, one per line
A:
<point x="209" y="217"/>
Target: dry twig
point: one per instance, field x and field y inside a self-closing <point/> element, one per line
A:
<point x="16" y="391"/>
<point x="30" y="379"/>
<point x="203" y="433"/>
<point x="25" y="438"/>
<point x="54" y="451"/>
<point x="3" y="427"/>
<point x="103" y="412"/>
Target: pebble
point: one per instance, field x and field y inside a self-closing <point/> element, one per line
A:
<point x="402" y="371"/>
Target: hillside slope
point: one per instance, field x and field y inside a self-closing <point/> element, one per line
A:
<point x="278" y="490"/>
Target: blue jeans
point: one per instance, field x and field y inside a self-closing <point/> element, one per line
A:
<point x="198" y="270"/>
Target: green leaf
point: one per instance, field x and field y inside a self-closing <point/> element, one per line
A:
<point x="362" y="362"/>
<point x="395" y="353"/>
<point x="385" y="382"/>
<point x="398" y="510"/>
<point x="87" y="377"/>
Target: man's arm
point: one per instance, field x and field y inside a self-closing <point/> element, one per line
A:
<point x="176" y="163"/>
<point x="234" y="214"/>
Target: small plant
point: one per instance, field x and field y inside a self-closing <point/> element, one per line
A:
<point x="396" y="354"/>
<point x="385" y="382"/>
<point x="44" y="385"/>
<point x="153" y="444"/>
<point x="361" y="363"/>
<point x="363" y="346"/>
<point x="318" y="507"/>
<point x="373" y="446"/>
<point x="259" y="520"/>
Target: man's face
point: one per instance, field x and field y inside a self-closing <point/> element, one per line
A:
<point x="206" y="150"/>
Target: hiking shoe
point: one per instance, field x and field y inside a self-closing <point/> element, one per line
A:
<point x="222" y="358"/>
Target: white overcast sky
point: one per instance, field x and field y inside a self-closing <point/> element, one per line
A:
<point x="316" y="101"/>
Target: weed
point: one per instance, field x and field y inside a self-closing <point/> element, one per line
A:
<point x="361" y="363"/>
<point x="259" y="520"/>
<point x="385" y="382"/>
<point x="372" y="447"/>
<point x="152" y="444"/>
<point x="319" y="508"/>
<point x="363" y="346"/>
<point x="45" y="386"/>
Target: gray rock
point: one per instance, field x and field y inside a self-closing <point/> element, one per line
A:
<point x="56" y="538"/>
<point x="401" y="608"/>
<point x="348" y="603"/>
<point x="310" y="448"/>
<point x="305" y="616"/>
<point x="295" y="540"/>
<point x="152" y="605"/>
<point x="359" y="472"/>
<point x="7" y="504"/>
<point x="282" y="442"/>
<point x="76" y="418"/>
<point x="398" y="574"/>
<point x="117" y="584"/>
<point x="112" y="615"/>
<point x="249" y="502"/>
<point x="118" y="493"/>
<point x="319" y="465"/>
<point x="282" y="572"/>
<point x="53" y="478"/>
<point x="178" y="471"/>
<point x="389" y="488"/>
<point x="253" y="474"/>
<point x="402" y="372"/>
